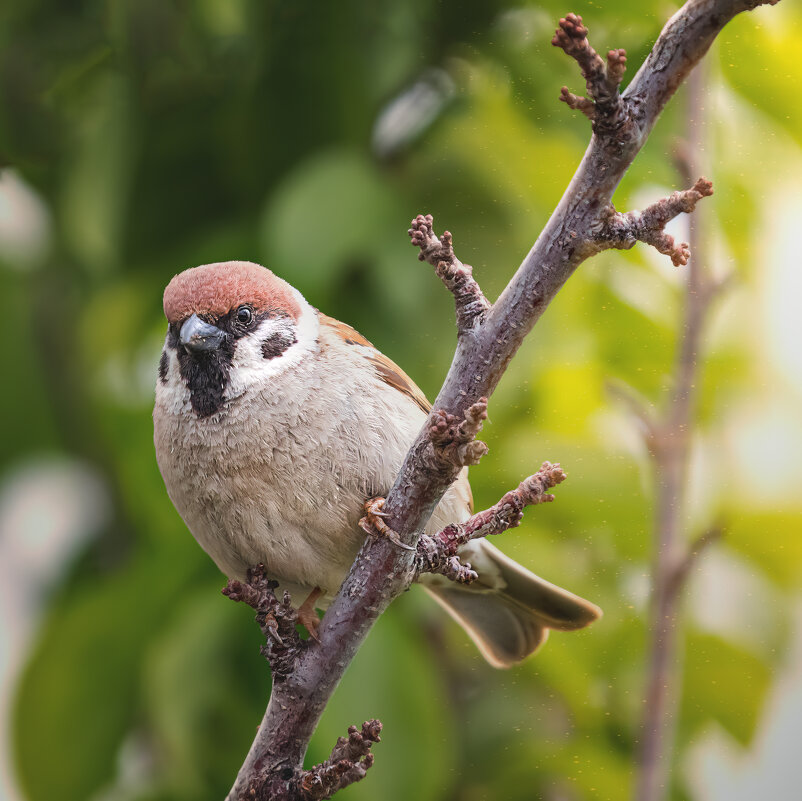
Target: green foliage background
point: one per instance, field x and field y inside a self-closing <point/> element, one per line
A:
<point x="162" y="134"/>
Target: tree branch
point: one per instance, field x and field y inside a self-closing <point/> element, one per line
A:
<point x="349" y="762"/>
<point x="382" y="571"/>
<point x="682" y="571"/>
<point x="623" y="230"/>
<point x="276" y="619"/>
<point x="604" y="107"/>
<point x="453" y="444"/>
<point x="670" y="451"/>
<point x="639" y="409"/>
<point x="438" y="554"/>
<point x="458" y="277"/>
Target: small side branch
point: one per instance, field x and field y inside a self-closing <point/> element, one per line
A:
<point x="275" y="617"/>
<point x="471" y="304"/>
<point x="603" y="106"/>
<point x="578" y="103"/>
<point x="623" y="230"/>
<point x="349" y="762"/>
<point x="637" y="405"/>
<point x="438" y="554"/>
<point x="454" y="444"/>
<point x="681" y="573"/>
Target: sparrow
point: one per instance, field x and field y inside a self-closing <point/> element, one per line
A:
<point x="273" y="424"/>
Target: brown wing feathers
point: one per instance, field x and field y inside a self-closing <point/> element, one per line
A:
<point x="392" y="374"/>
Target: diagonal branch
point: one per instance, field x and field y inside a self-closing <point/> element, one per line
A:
<point x="452" y="446"/>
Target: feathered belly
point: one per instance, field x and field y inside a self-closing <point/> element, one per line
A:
<point x="253" y="488"/>
<point x="244" y="512"/>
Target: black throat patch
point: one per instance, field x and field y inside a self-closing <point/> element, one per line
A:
<point x="206" y="375"/>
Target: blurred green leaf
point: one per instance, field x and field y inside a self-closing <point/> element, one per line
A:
<point x="78" y="696"/>
<point x="771" y="540"/>
<point x="322" y="202"/>
<point x="722" y="682"/>
<point x="775" y="39"/>
<point x="205" y="689"/>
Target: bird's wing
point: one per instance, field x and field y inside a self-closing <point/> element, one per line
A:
<point x="389" y="372"/>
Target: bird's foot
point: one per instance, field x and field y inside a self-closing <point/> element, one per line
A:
<point x="307" y="615"/>
<point x="373" y="524"/>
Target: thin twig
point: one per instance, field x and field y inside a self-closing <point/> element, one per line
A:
<point x="603" y="106"/>
<point x="623" y="230"/>
<point x="693" y="553"/>
<point x="438" y="554"/>
<point x="350" y="760"/>
<point x="276" y="618"/>
<point x="638" y="408"/>
<point x="471" y="304"/>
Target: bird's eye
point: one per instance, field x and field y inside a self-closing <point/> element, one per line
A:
<point x="244" y="315"/>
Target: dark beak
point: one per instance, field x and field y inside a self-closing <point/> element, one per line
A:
<point x="199" y="337"/>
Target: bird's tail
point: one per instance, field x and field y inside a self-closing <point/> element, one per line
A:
<point x="508" y="611"/>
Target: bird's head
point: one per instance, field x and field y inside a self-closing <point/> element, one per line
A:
<point x="230" y="326"/>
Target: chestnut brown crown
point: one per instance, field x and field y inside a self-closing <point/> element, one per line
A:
<point x="213" y="290"/>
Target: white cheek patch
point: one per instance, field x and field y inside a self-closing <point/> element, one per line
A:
<point x="172" y="394"/>
<point x="252" y="364"/>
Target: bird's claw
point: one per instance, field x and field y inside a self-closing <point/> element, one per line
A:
<point x="307" y="614"/>
<point x="373" y="524"/>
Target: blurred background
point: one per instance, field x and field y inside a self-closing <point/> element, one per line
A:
<point x="142" y="137"/>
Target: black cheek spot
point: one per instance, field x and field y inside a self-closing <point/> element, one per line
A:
<point x="277" y="344"/>
<point x="163" y="364"/>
